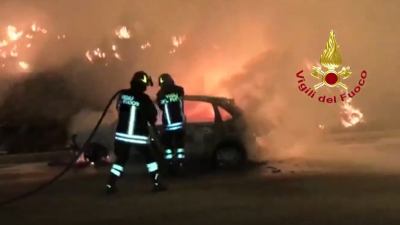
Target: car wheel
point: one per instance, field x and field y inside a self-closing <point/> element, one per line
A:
<point x="229" y="157"/>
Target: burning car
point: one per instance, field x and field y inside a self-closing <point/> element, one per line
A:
<point x="216" y="131"/>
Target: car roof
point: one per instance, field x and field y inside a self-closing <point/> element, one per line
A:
<point x="208" y="98"/>
<point x="227" y="103"/>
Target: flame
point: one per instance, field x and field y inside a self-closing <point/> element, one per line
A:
<point x="89" y="56"/>
<point x="36" y="28"/>
<point x="199" y="112"/>
<point x="3" y="43"/>
<point x="15" y="40"/>
<point x="13" y="34"/>
<point x="61" y="36"/>
<point x="178" y="40"/>
<point x="123" y="33"/>
<point x="145" y="45"/>
<point x="33" y="27"/>
<point x="23" y="65"/>
<point x="350" y="116"/>
<point x="331" y="57"/>
<point x="14" y="52"/>
<point x="96" y="53"/>
<point x="117" y="56"/>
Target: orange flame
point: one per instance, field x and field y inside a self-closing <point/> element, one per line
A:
<point x="13" y="34"/>
<point x="23" y="65"/>
<point x="123" y="33"/>
<point x="146" y="45"/>
<point x="117" y="56"/>
<point x="178" y="40"/>
<point x="350" y="116"/>
<point x="3" y="43"/>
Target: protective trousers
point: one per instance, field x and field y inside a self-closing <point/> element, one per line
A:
<point x="174" y="143"/>
<point x="122" y="155"/>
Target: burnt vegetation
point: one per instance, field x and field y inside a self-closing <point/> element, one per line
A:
<point x="35" y="113"/>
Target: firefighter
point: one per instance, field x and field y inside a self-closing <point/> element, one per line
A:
<point x="170" y="101"/>
<point x="136" y="113"/>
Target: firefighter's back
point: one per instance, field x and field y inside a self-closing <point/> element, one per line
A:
<point x="170" y="100"/>
<point x="134" y="108"/>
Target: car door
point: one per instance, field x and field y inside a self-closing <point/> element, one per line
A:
<point x="200" y="128"/>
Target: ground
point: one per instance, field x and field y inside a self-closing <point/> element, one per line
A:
<point x="253" y="196"/>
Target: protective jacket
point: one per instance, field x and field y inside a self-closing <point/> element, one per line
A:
<point x="136" y="111"/>
<point x="170" y="101"/>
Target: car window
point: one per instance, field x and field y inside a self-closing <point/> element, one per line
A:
<point x="199" y="112"/>
<point x="225" y="115"/>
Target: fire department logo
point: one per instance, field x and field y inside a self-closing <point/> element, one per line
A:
<point x="331" y="73"/>
<point x="331" y="60"/>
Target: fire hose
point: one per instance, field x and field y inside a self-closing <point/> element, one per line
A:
<point x="81" y="150"/>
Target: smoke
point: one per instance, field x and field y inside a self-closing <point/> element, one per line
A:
<point x="248" y="50"/>
<point x="82" y="124"/>
<point x="267" y="85"/>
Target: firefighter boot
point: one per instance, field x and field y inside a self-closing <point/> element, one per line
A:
<point x="169" y="159"/>
<point x="180" y="161"/>
<point x="153" y="170"/>
<point x="116" y="171"/>
<point x="157" y="185"/>
<point x="111" y="188"/>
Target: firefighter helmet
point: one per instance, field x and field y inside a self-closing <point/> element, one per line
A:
<point x="141" y="80"/>
<point x="165" y="79"/>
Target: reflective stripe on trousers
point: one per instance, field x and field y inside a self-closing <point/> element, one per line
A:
<point x="117" y="170"/>
<point x="134" y="139"/>
<point x="168" y="154"/>
<point x="152" y="167"/>
<point x="174" y="126"/>
<point x="180" y="153"/>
